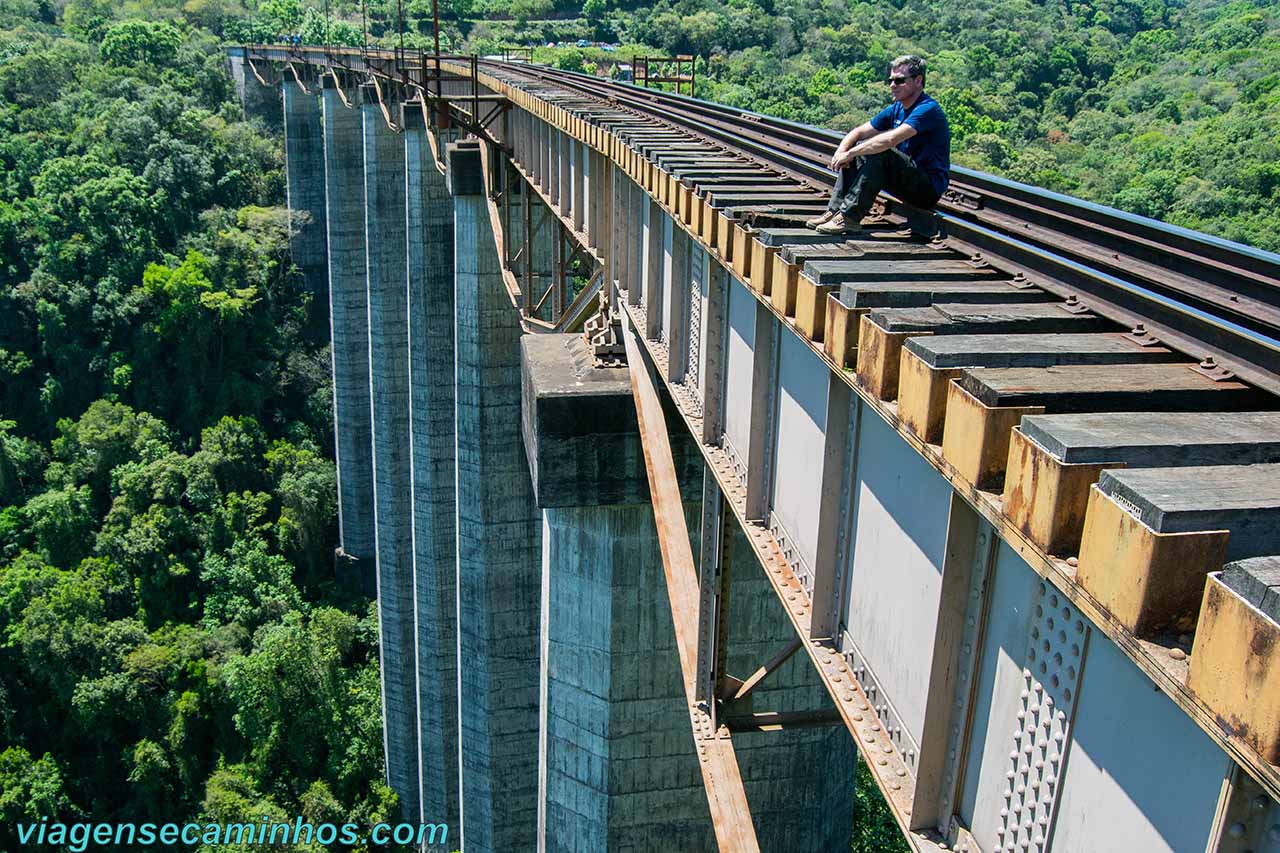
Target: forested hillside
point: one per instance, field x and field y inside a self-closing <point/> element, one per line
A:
<point x="1159" y="107"/>
<point x="172" y="646"/>
<point x="1162" y="109"/>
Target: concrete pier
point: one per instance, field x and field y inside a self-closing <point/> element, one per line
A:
<point x="259" y="102"/>
<point x="349" y="325"/>
<point x="384" y="193"/>
<point x="429" y="217"/>
<point x="618" y="767"/>
<point x="304" y="182"/>
<point x="499" y="539"/>
<point x="846" y="585"/>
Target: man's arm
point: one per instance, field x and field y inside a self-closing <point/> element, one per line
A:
<point x="852" y="138"/>
<point x="874" y="145"/>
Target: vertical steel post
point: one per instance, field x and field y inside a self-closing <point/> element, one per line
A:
<point x="709" y="568"/>
<point x="557" y="298"/>
<point x="505" y="211"/>
<point x="528" y="251"/>
<point x="475" y="92"/>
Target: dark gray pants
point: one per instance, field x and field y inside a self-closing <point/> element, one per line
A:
<point x="858" y="184"/>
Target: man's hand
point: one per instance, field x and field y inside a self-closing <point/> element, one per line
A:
<point x="844" y="151"/>
<point x="841" y="159"/>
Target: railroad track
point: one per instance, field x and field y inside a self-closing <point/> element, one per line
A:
<point x="1042" y="348"/>
<point x="1100" y="388"/>
<point x="1205" y="296"/>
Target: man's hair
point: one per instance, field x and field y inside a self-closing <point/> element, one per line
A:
<point x="914" y="65"/>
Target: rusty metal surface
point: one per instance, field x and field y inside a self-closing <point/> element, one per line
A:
<point x="726" y="796"/>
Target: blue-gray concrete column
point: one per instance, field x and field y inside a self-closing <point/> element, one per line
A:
<point x="620" y="768"/>
<point x="429" y="209"/>
<point x="349" y="325"/>
<point x="499" y="540"/>
<point x="238" y="69"/>
<point x="304" y="183"/>
<point x="258" y="101"/>
<point x="388" y="288"/>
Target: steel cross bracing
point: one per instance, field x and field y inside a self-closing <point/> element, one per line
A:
<point x="828" y="298"/>
<point x="535" y="283"/>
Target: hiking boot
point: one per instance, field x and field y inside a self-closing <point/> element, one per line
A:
<point x="819" y="220"/>
<point x="834" y="224"/>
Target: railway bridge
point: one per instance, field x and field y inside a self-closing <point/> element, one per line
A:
<point x="672" y="507"/>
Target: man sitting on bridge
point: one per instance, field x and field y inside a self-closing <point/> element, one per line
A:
<point x="905" y="149"/>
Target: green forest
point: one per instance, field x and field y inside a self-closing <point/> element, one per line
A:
<point x="172" y="642"/>
<point x="1162" y="108"/>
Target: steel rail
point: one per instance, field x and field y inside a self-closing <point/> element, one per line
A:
<point x="1163" y="237"/>
<point x="1201" y="294"/>
<point x="1221" y="261"/>
<point x="1207" y="296"/>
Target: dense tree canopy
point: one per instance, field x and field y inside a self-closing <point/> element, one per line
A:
<point x="172" y="645"/>
<point x="171" y="642"/>
<point x="1163" y="109"/>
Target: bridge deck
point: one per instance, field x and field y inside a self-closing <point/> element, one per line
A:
<point x="722" y="225"/>
<point x="1003" y="399"/>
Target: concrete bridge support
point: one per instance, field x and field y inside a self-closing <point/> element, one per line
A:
<point x="499" y="539"/>
<point x="429" y="218"/>
<point x="617" y="764"/>
<point x="618" y="768"/>
<point x="614" y="707"/>
<point x="349" y="321"/>
<point x="304" y="181"/>
<point x="385" y="241"/>
<point x="259" y="102"/>
<point x="990" y="700"/>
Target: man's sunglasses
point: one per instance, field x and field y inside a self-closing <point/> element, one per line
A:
<point x="901" y="80"/>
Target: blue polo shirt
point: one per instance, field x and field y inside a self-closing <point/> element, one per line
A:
<point x="930" y="148"/>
